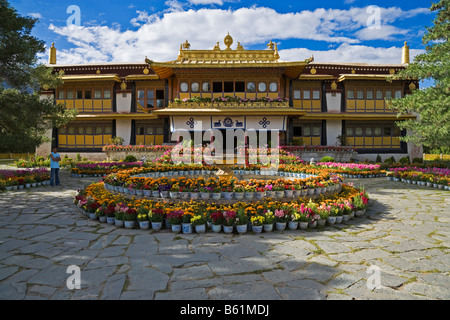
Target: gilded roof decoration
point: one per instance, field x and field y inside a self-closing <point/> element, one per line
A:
<point x="227" y="58"/>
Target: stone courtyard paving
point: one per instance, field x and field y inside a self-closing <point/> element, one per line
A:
<point x="405" y="233"/>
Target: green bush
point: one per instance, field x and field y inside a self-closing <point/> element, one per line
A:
<point x="378" y="160"/>
<point x="390" y="160"/>
<point x="327" y="159"/>
<point x="405" y="160"/>
<point x="417" y="160"/>
<point x="130" y="158"/>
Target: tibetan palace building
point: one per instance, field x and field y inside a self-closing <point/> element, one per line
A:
<point x="310" y="103"/>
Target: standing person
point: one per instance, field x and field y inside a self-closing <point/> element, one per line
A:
<point x="55" y="158"/>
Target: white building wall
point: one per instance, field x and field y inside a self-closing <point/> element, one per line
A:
<point x="334" y="129"/>
<point x="123" y="129"/>
<point x="333" y="102"/>
<point x="123" y="101"/>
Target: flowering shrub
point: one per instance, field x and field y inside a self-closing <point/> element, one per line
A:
<point x="21" y="177"/>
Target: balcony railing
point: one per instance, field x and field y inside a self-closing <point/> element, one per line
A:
<point x="270" y="103"/>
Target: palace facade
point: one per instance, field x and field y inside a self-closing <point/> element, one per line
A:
<point x="310" y="103"/>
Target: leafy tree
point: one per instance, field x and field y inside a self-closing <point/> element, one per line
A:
<point x="432" y="128"/>
<point x="24" y="116"/>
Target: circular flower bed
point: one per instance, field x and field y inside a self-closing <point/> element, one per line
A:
<point x="236" y="215"/>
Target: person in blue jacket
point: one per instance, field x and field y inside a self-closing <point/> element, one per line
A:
<point x="55" y="158"/>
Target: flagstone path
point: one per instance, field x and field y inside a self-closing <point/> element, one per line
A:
<point x="405" y="235"/>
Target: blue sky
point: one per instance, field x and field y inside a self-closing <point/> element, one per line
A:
<point x="332" y="31"/>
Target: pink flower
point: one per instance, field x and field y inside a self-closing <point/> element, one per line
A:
<point x="279" y="213"/>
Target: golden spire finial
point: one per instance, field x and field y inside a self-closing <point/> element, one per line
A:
<point x="52" y="56"/>
<point x="270" y="45"/>
<point x="405" y="54"/>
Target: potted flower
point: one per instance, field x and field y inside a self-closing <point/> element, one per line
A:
<point x="130" y="218"/>
<point x="229" y="218"/>
<point x="118" y="216"/>
<point x="238" y="191"/>
<point x="333" y="213"/>
<point x="241" y="221"/>
<point x="144" y="222"/>
<point x="184" y="192"/>
<point x="293" y="221"/>
<point x="146" y="189"/>
<point x="204" y="192"/>
<point x="110" y="214"/>
<point x="257" y="223"/>
<point x="269" y="219"/>
<point x="175" y="217"/>
<point x="289" y="191"/>
<point x="281" y="219"/>
<point x="360" y="203"/>
<point x="156" y="217"/>
<point x="199" y="223"/>
<point x="217" y="221"/>
<point x="217" y="192"/>
<point x="324" y="212"/>
<point x="91" y="208"/>
<point x="279" y="190"/>
<point x="347" y="210"/>
<point x="155" y="191"/>
<point x="227" y="192"/>
<point x="193" y="193"/>
<point x="260" y="192"/>
<point x="297" y="190"/>
<point x="186" y="224"/>
<point x="250" y="192"/>
<point x="100" y="213"/>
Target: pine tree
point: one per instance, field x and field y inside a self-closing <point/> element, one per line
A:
<point x="432" y="104"/>
<point x="24" y="116"/>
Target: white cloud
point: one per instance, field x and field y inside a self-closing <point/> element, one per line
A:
<point x="350" y="53"/>
<point x="205" y="2"/>
<point x="385" y="32"/>
<point x="35" y="15"/>
<point x="159" y="36"/>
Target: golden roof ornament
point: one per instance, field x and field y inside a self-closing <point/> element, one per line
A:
<point x="186" y="45"/>
<point x="270" y="45"/>
<point x="334" y="85"/>
<point x="228" y="41"/>
<point x="405" y="54"/>
<point x="148" y="61"/>
<point x="310" y="59"/>
<point x="52" y="57"/>
<point x="276" y="55"/>
<point x="217" y="46"/>
<point x="239" y="46"/>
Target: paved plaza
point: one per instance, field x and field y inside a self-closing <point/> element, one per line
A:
<point x="404" y="238"/>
